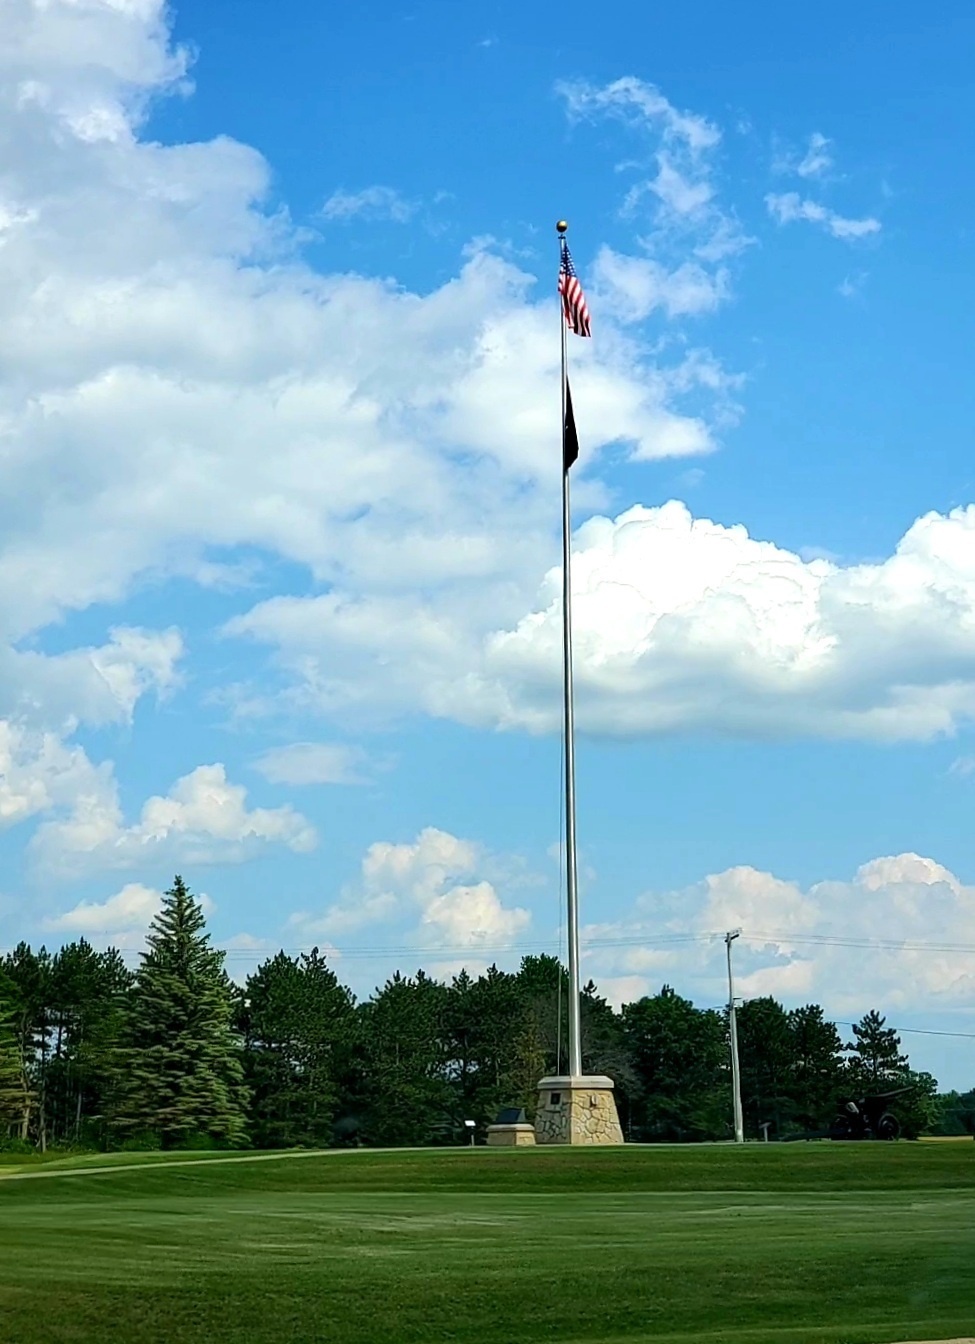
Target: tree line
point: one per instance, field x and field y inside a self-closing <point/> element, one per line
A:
<point x="175" y="1055"/>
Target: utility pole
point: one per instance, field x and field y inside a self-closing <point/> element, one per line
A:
<point x="729" y="938"/>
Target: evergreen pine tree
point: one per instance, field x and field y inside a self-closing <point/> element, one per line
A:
<point x="13" y="1083"/>
<point x="493" y="1051"/>
<point x="299" y="1023"/>
<point x="407" y="1093"/>
<point x="816" y="1073"/>
<point x="603" y="1046"/>
<point x="181" y="1075"/>
<point x="877" y="1060"/>
<point x="765" y="1049"/>
<point x="28" y="977"/>
<point x="545" y="984"/>
<point x="90" y="1000"/>
<point x="679" y="1055"/>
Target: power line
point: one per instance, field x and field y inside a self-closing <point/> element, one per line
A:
<point x="920" y="1031"/>
<point x="442" y="950"/>
<point x="878" y="944"/>
<point x="648" y="940"/>
<point x="662" y="940"/>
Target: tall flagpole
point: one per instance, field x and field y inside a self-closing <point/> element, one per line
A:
<point x="572" y="1107"/>
<point x="572" y="889"/>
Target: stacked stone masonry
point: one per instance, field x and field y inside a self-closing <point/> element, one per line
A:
<point x="510" y="1136"/>
<point x="574" y="1113"/>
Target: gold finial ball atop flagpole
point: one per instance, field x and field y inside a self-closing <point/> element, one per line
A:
<point x="562" y="225"/>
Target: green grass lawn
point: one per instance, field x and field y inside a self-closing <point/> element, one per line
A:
<point x="813" y="1244"/>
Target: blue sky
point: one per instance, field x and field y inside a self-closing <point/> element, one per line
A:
<point x="278" y="561"/>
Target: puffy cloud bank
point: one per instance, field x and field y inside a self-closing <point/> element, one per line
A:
<point x="180" y="390"/>
<point x="680" y="623"/>
<point x="899" y="935"/>
<point x="439" y="884"/>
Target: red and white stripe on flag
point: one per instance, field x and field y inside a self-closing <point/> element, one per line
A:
<point x="573" y="300"/>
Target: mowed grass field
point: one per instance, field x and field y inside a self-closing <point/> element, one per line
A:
<point x="812" y="1244"/>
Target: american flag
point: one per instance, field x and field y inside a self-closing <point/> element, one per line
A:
<point x="573" y="299"/>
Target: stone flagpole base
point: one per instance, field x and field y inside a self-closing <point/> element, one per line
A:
<point x="577" y="1110"/>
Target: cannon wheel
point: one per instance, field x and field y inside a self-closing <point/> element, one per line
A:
<point x="841" y="1128"/>
<point x="888" y="1126"/>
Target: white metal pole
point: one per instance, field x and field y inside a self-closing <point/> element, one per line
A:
<point x="729" y="938"/>
<point x="572" y="889"/>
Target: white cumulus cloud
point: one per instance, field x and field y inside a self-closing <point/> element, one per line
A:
<point x="203" y="819"/>
<point x="439" y="882"/>
<point x="789" y="206"/>
<point x="818" y="157"/>
<point x="40" y="771"/>
<point x="372" y="203"/>
<point x="633" y="287"/>
<point x="120" y="921"/>
<point x="633" y="99"/>
<point x="95" y="685"/>
<point x="178" y="382"/>
<point x="180" y="386"/>
<point x="691" y="235"/>
<point x="314" y="763"/>
<point x="896" y="936"/>
<point x="680" y="623"/>
<point x="132" y="908"/>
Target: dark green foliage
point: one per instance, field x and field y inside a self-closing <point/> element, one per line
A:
<point x="766" y="1052"/>
<point x="405" y="1092"/>
<point x="501" y="1033"/>
<point x="816" y="1068"/>
<point x="90" y="992"/>
<point x="679" y="1059"/>
<point x="546" y="985"/>
<point x="603" y="1046"/>
<point x="876" y="1062"/>
<point x="954" y="1114"/>
<point x="66" y="1016"/>
<point x="29" y="975"/>
<point x="92" y="1055"/>
<point x="878" y="1066"/>
<point x="792" y="1068"/>
<point x="13" y="1079"/>
<point x="918" y="1109"/>
<point x="299" y="1027"/>
<point x="178" y="1070"/>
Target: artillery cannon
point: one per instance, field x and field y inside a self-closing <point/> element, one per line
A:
<point x="867" y="1117"/>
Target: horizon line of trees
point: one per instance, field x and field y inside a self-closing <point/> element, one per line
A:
<point x="176" y="1055"/>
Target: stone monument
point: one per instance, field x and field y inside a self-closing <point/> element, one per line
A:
<point x="510" y="1130"/>
<point x="577" y="1110"/>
